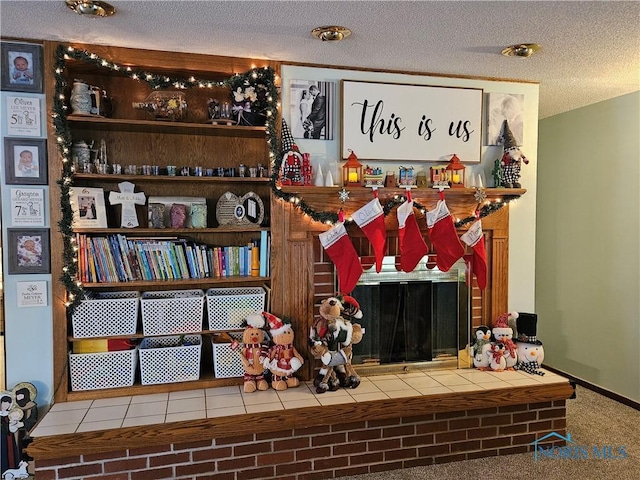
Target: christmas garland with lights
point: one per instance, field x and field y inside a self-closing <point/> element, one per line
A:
<point x="265" y="77"/>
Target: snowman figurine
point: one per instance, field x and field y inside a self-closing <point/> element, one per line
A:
<point x="529" y="348"/>
<point x="480" y="346"/>
<point x="503" y="333"/>
<point x="495" y="357"/>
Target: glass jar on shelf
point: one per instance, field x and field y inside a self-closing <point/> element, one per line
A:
<point x="165" y="105"/>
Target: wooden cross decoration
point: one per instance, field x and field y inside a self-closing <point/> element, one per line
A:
<point x="128" y="200"/>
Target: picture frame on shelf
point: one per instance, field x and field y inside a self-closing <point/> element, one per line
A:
<point x="29" y="251"/>
<point x="25" y="161"/>
<point x="22" y="67"/>
<point x="88" y="207"/>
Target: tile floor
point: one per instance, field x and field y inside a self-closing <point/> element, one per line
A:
<point x="109" y="413"/>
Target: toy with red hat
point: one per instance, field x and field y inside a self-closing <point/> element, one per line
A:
<point x="283" y="360"/>
<point x="503" y="333"/>
<point x="512" y="159"/>
<point x="253" y="354"/>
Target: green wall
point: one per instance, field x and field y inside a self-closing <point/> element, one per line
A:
<point x="587" y="243"/>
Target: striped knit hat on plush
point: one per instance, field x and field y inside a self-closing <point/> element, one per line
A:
<point x="276" y="325"/>
<point x="501" y="325"/>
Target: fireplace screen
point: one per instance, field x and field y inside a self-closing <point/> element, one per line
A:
<point x="421" y="316"/>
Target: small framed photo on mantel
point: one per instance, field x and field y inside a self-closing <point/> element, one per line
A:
<point x="21" y="67"/>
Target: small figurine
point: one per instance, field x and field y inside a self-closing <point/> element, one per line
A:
<point x="156" y="215"/>
<point x="291" y="173"/>
<point x="198" y="215"/>
<point x="253" y="354"/>
<point x="503" y="333"/>
<point x="495" y="355"/>
<point x="512" y="159"/>
<point x="283" y="360"/>
<point x="307" y="169"/>
<point x="213" y="109"/>
<point x="480" y="347"/>
<point x="530" y="349"/>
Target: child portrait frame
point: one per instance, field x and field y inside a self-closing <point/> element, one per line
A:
<point x="25" y="161"/>
<point x="21" y="67"/>
<point x="29" y="251"/>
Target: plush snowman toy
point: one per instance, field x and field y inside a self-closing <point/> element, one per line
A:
<point x="480" y="346"/>
<point x="503" y="333"/>
<point x="530" y="349"/>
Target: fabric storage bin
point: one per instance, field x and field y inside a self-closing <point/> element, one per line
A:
<point x="227" y="362"/>
<point x="228" y="307"/>
<point x="92" y="371"/>
<point x="106" y="314"/>
<point x="162" y="360"/>
<point x="172" y="311"/>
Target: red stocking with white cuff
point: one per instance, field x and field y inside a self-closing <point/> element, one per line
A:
<point x="340" y="250"/>
<point x="474" y="237"/>
<point x="370" y="219"/>
<point x="443" y="236"/>
<point x="412" y="244"/>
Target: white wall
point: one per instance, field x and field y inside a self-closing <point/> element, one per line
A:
<point x="522" y="214"/>
<point x="28" y="331"/>
<point x="588" y="265"/>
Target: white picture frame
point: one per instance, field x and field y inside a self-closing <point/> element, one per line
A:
<point x="416" y="123"/>
<point x="88" y="207"/>
<point x="23" y="116"/>
<point x="27" y="207"/>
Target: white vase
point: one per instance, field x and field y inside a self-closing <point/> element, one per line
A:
<point x="328" y="179"/>
<point x="319" y="181"/>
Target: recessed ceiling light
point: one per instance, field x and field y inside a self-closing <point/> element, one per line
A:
<point x="95" y="8"/>
<point x="331" y="33"/>
<point x="521" y="50"/>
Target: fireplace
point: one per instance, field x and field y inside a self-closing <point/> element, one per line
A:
<point x="418" y="319"/>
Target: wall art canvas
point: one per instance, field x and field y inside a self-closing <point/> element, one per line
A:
<point x="501" y="107"/>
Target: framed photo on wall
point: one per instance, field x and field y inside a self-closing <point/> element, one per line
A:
<point x="25" y="161"/>
<point x="312" y="109"/>
<point x="29" y="250"/>
<point x="21" y="67"/>
<point x="501" y="107"/>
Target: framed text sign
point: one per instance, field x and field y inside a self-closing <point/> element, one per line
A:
<point x="387" y="121"/>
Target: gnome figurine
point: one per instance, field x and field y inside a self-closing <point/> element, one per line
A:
<point x="503" y="333"/>
<point x="512" y="159"/>
<point x="530" y="349"/>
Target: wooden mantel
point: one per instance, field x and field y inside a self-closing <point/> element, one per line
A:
<point x="293" y="289"/>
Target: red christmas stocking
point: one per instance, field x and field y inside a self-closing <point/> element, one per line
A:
<point x="412" y="244"/>
<point x="443" y="236"/>
<point x="475" y="239"/>
<point x="370" y="219"/>
<point x="338" y="246"/>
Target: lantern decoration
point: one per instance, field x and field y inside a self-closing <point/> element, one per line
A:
<point x="352" y="171"/>
<point x="455" y="172"/>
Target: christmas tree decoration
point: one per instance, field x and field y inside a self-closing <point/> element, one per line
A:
<point x="443" y="236"/>
<point x="342" y="253"/>
<point x="412" y="244"/>
<point x="512" y="159"/>
<point x="475" y="239"/>
<point x="370" y="219"/>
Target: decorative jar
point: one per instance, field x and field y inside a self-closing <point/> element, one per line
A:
<point x="165" y="105"/>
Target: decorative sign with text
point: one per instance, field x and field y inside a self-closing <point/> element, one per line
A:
<point x="23" y="116"/>
<point x="31" y="294"/>
<point x="386" y="121"/>
<point x="27" y="206"/>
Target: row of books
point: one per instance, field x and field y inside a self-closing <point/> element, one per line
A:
<point x="118" y="258"/>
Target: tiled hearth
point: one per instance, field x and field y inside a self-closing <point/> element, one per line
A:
<point x="389" y="422"/>
<point x="110" y="413"/>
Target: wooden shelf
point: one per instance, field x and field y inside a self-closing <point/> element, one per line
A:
<point x="178" y="283"/>
<point x="165" y="178"/>
<point x="136" y="232"/>
<point x="155" y="126"/>
<point x="140" y="335"/>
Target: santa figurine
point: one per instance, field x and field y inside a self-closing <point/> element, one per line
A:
<point x="291" y="171"/>
<point x="530" y="349"/>
<point x="503" y="333"/>
<point x="512" y="159"/>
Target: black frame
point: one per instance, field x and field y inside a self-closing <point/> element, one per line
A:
<point x="13" y="236"/>
<point x="11" y="176"/>
<point x="36" y="65"/>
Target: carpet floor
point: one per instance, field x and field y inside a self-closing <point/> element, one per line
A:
<point x="592" y="420"/>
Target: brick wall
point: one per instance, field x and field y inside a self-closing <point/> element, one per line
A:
<point x="327" y="451"/>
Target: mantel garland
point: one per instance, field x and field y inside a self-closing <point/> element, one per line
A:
<point x="265" y="76"/>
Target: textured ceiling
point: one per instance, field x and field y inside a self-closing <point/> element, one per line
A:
<point x="590" y="50"/>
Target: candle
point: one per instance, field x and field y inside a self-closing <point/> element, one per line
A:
<point x="456" y="178"/>
<point x="353" y="177"/>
